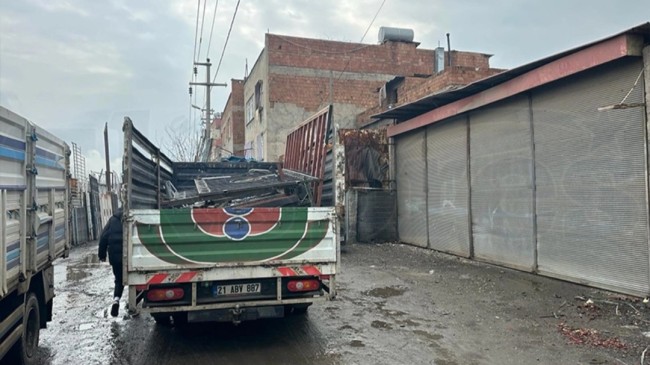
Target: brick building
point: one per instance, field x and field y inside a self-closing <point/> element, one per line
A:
<point x="295" y="77"/>
<point x="232" y="128"/>
<point x="462" y="69"/>
<point x="215" y="153"/>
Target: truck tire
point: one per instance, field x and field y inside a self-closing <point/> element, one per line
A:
<point x="25" y="349"/>
<point x="162" y="319"/>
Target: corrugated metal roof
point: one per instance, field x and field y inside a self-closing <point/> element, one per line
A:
<point x="410" y="110"/>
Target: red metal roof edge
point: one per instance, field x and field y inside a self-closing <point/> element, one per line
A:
<point x="580" y="59"/>
<point x="503" y="76"/>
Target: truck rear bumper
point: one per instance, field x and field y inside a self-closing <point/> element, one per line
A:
<point x="236" y="315"/>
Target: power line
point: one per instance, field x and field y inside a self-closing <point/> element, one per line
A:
<point x="205" y="2"/>
<point x="373" y="20"/>
<point x="227" y="38"/>
<point x="362" y="38"/>
<point x="214" y="16"/>
<point x="196" y="30"/>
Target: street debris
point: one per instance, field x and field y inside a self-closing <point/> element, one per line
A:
<point x="590" y="337"/>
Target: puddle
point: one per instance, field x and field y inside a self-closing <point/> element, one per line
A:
<point x="428" y="336"/>
<point x="357" y="343"/>
<point x="85" y="326"/>
<point x="386" y="292"/>
<point x="73" y="274"/>
<point x="381" y="325"/>
<point x="408" y="323"/>
<point x="91" y="259"/>
<point x="390" y="312"/>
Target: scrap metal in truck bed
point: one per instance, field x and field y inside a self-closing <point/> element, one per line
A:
<point x="213" y="258"/>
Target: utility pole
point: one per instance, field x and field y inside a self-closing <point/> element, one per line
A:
<point x="108" y="160"/>
<point x="208" y="85"/>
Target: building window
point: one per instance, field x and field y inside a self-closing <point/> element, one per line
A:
<point x="250" y="109"/>
<point x="259" y="95"/>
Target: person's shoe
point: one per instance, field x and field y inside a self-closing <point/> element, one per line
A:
<point x="115" y="308"/>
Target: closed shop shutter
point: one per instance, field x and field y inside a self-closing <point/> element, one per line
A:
<point x="448" y="192"/>
<point x="591" y="190"/>
<point x="411" y="188"/>
<point x="501" y="182"/>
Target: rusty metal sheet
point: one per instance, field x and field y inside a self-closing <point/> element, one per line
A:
<point x="306" y="149"/>
<point x="366" y="157"/>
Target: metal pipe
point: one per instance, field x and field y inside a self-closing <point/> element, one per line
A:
<point x="533" y="178"/>
<point x="646" y="75"/>
<point x="108" y="160"/>
<point x="448" y="51"/>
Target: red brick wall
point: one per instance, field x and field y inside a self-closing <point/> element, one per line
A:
<point x="454" y="76"/>
<point x="469" y="59"/>
<point x="312" y="92"/>
<point x="391" y="58"/>
<point x="233" y="117"/>
<point x="413" y="89"/>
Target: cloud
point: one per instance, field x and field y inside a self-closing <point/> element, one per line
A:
<point x="56" y="6"/>
<point x="73" y="65"/>
<point x="96" y="163"/>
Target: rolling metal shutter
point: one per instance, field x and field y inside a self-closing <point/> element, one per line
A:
<point x="448" y="195"/>
<point x="592" y="211"/>
<point x="501" y="182"/>
<point x="411" y="188"/>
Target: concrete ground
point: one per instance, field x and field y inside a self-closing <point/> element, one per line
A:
<point x="397" y="304"/>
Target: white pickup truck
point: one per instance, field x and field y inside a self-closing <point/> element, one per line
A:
<point x="225" y="263"/>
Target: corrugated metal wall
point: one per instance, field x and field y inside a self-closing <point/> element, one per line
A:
<point x="591" y="209"/>
<point x="448" y="198"/>
<point x="375" y="215"/>
<point x="557" y="186"/>
<point x="502" y="183"/>
<point x="411" y="189"/>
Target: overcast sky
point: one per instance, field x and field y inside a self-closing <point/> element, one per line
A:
<point x="73" y="65"/>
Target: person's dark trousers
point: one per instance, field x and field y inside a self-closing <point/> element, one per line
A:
<point x="117" y="272"/>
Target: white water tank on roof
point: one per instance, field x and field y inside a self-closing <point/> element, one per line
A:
<point x="395" y="34"/>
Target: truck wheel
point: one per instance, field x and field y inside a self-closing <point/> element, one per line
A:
<point x="24" y="350"/>
<point x="162" y="319"/>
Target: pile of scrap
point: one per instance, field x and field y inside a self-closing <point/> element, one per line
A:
<point x="249" y="188"/>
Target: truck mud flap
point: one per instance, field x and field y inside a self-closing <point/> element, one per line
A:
<point x="236" y="315"/>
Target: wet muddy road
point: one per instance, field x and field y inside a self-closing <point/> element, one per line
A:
<point x="397" y="305"/>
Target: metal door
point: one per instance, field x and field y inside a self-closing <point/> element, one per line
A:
<point x="411" y="188"/>
<point x="592" y="213"/>
<point x="448" y="189"/>
<point x="502" y="184"/>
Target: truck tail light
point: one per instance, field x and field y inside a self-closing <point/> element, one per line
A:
<point x="303" y="285"/>
<point x="165" y="294"/>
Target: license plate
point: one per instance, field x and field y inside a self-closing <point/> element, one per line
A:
<point x="238" y="289"/>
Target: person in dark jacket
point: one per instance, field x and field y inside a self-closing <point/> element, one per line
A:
<point x="111" y="241"/>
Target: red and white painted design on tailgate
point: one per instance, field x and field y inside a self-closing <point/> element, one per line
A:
<point x="299" y="271"/>
<point x="166" y="278"/>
